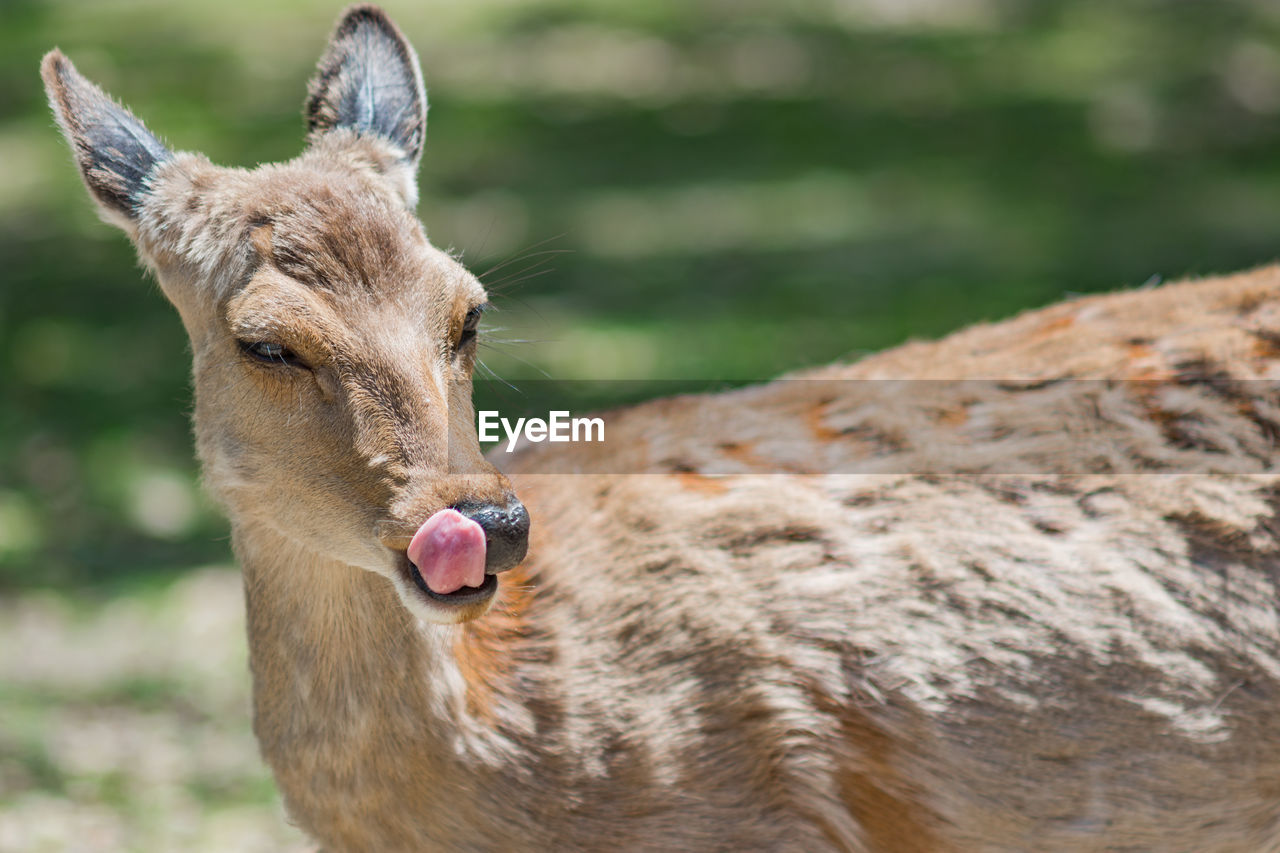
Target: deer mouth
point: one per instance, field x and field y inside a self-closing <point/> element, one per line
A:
<point x="462" y="597"/>
<point x="446" y="561"/>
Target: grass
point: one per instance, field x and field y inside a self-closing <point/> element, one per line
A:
<point x="126" y="724"/>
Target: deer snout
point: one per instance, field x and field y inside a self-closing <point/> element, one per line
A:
<point x="506" y="532"/>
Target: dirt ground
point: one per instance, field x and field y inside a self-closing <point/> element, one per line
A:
<point x="124" y="724"/>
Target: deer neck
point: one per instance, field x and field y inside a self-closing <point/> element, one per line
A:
<point x="346" y="682"/>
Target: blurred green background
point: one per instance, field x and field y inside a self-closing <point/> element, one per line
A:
<point x="727" y="189"/>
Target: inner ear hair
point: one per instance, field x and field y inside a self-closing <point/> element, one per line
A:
<point x="114" y="150"/>
<point x="369" y="81"/>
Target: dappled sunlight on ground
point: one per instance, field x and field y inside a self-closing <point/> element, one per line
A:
<point x="126" y="724"/>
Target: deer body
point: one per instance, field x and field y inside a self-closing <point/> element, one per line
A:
<point x="871" y="661"/>
<point x="978" y="619"/>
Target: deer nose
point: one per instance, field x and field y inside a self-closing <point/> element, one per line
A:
<point x="506" y="532"/>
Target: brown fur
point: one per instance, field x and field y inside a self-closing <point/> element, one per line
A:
<point x="1008" y="613"/>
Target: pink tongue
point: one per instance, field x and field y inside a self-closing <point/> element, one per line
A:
<point x="448" y="550"/>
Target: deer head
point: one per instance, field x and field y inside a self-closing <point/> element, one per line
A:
<point x="333" y="345"/>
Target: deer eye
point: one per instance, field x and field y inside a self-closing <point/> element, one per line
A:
<point x="270" y="353"/>
<point x="470" y="325"/>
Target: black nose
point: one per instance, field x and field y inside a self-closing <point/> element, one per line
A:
<point x="506" y="532"/>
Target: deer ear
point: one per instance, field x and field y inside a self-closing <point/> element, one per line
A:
<point x="114" y="150"/>
<point x="369" y="81"/>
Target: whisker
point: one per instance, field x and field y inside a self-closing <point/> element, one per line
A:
<point x="497" y="305"/>
<point x="529" y="248"/>
<point x="536" y="264"/>
<point x="488" y="232"/>
<point x="504" y="284"/>
<point x="523" y="361"/>
<point x="489" y="370"/>
<point x="503" y="341"/>
<point x="525" y="256"/>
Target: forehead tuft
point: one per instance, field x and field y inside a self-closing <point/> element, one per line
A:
<point x="346" y="239"/>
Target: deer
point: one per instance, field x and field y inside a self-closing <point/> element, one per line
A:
<point x="1031" y="607"/>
